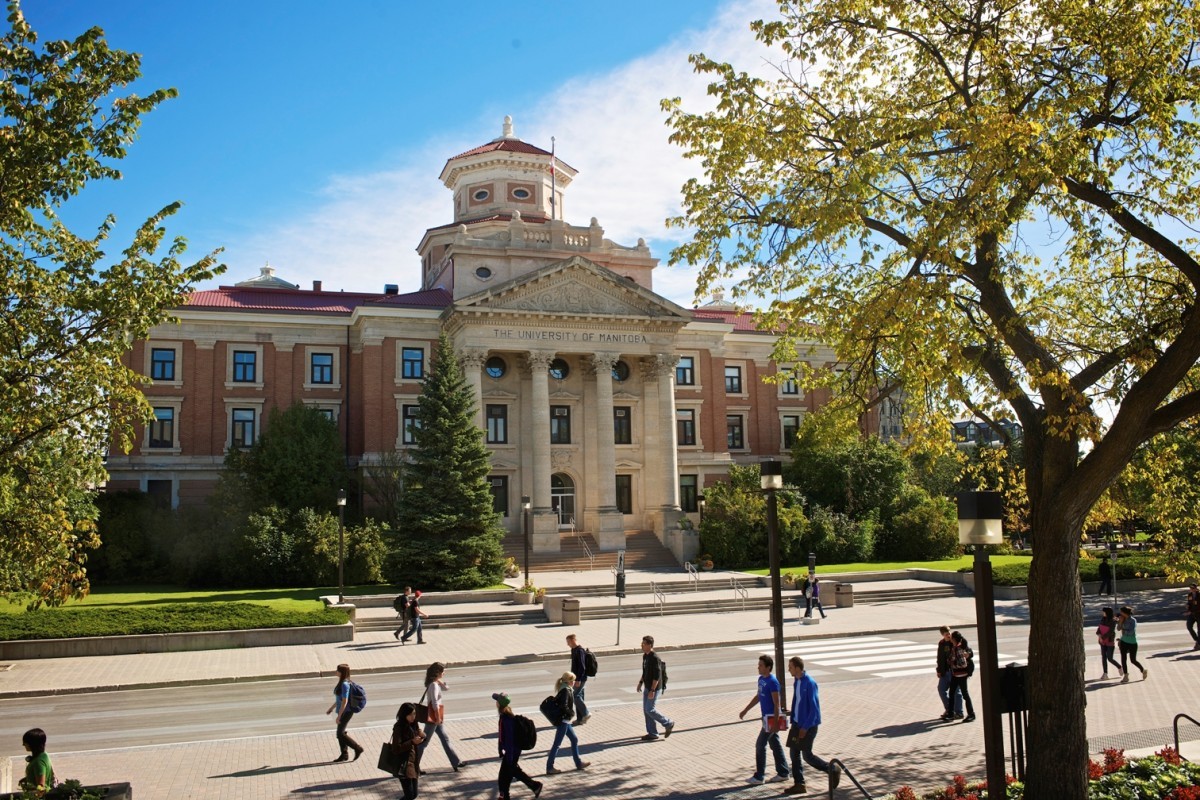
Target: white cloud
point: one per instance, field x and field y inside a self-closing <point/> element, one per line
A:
<point x="362" y="231"/>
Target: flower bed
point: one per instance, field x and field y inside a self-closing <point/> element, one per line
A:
<point x="1163" y="776"/>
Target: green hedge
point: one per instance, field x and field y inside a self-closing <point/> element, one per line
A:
<point x="1139" y="565"/>
<point x="60" y="623"/>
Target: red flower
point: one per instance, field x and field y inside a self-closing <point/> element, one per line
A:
<point x="1170" y="755"/>
<point x="906" y="793"/>
<point x="1095" y="771"/>
<point x="1114" y="760"/>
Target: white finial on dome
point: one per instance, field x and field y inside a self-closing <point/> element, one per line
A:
<point x="508" y="128"/>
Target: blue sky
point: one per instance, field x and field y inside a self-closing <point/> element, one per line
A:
<point x="312" y="138"/>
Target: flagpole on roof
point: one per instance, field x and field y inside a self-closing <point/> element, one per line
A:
<point x="552" y="181"/>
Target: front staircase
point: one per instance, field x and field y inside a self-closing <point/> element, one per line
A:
<point x="643" y="551"/>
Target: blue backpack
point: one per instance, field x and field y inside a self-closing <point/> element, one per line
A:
<point x="358" y="697"/>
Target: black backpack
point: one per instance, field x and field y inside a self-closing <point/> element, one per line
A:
<point x="526" y="732"/>
<point x="590" y="665"/>
<point x="662" y="676"/>
<point x="358" y="697"/>
<point x="401" y="604"/>
<point x="551" y="710"/>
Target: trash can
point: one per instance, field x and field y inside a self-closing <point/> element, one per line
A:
<point x="843" y="595"/>
<point x="570" y="611"/>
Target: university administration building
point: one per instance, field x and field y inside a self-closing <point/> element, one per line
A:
<point x="608" y="405"/>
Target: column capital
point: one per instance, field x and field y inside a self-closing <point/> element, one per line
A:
<point x="601" y="362"/>
<point x="659" y="365"/>
<point x="473" y="357"/>
<point x="539" y="360"/>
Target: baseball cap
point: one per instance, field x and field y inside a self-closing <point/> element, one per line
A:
<point x="501" y="699"/>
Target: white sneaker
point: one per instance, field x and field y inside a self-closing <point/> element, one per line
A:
<point x="755" y="781"/>
<point x="1104" y="677"/>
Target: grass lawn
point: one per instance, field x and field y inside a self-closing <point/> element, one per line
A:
<point x="949" y="565"/>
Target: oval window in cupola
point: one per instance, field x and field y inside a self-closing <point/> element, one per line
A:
<point x="521" y="194"/>
<point x="479" y="195"/>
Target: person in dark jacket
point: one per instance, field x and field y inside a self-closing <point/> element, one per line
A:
<point x="961" y="668"/>
<point x="565" y="699"/>
<point x="579" y="668"/>
<point x="652" y="680"/>
<point x="510" y="753"/>
<point x="951" y="700"/>
<point x="406" y="743"/>
<point x="416" y="620"/>
<point x="1105" y="576"/>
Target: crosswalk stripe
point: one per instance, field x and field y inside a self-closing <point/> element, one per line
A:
<point x="869" y="651"/>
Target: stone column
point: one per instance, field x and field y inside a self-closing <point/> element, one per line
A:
<point x="662" y="367"/>
<point x="545" y="521"/>
<point x="472" y="361"/>
<point x="610" y="523"/>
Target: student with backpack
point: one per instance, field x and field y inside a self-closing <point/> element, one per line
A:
<point x="401" y="604"/>
<point x="515" y="736"/>
<point x="564" y="711"/>
<point x="654" y="678"/>
<point x="348" y="698"/>
<point x="583" y="666"/>
<point x="962" y="667"/>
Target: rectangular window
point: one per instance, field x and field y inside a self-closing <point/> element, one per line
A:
<point x="625" y="494"/>
<point x="243" y="426"/>
<point x="245" y="366"/>
<point x="685" y="426"/>
<point x="733" y="380"/>
<point x="162" y="364"/>
<point x="622" y="425"/>
<point x="497" y="424"/>
<point x="410" y="423"/>
<point x="162" y="429"/>
<point x="412" y="360"/>
<point x="789" y="385"/>
<point x="159" y="492"/>
<point x="791" y="425"/>
<point x="499" y="487"/>
<point x="327" y="413"/>
<point x="687" y="493"/>
<point x="322" y="368"/>
<point x="735" y="432"/>
<point x="685" y="371"/>
<point x="560" y="424"/>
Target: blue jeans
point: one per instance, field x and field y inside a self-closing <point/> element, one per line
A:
<point x="944" y="692"/>
<point x="440" y="729"/>
<point x="414" y="627"/>
<point x="652" y="714"/>
<point x="564" y="729"/>
<point x="581" y="709"/>
<point x="804" y="748"/>
<point x="760" y="754"/>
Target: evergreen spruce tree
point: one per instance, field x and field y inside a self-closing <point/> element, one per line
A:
<point x="448" y="535"/>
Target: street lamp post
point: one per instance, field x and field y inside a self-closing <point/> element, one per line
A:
<point x="525" y="506"/>
<point x="341" y="504"/>
<point x="980" y="523"/>
<point x="771" y="472"/>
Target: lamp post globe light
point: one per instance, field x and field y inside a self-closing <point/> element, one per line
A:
<point x="341" y="504"/>
<point x="980" y="523"/>
<point x="525" y="506"/>
<point x="771" y="472"/>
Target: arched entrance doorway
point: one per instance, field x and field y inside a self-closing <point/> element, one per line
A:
<point x="562" y="499"/>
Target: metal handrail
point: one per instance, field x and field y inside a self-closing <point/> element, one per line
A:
<point x="660" y="597"/>
<point x="1175" y="725"/>
<point x="849" y="775"/>
<point x="586" y="549"/>
<point x="693" y="574"/>
<point x="739" y="591"/>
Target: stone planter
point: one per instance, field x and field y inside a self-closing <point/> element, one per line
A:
<point x="523" y="598"/>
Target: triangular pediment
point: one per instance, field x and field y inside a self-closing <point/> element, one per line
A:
<point x="574" y="287"/>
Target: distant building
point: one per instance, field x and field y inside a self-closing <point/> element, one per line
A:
<point x="973" y="432"/>
<point x="607" y="404"/>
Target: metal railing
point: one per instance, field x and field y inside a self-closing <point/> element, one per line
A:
<point x="739" y="591"/>
<point x="587" y="550"/>
<point x="660" y="597"/>
<point x="850" y="775"/>
<point x="693" y="574"/>
<point x="1175" y="725"/>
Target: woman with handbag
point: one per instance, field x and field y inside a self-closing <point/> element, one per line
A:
<point x="564" y="697"/>
<point x="406" y="746"/>
<point x="435" y="722"/>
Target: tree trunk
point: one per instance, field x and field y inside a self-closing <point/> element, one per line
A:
<point x="1057" y="748"/>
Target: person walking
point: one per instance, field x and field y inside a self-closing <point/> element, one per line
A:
<point x="962" y="666"/>
<point x="416" y="616"/>
<point x="652" y="673"/>
<point x="772" y="721"/>
<point x="401" y="606"/>
<point x="806" y="719"/>
<point x="1127" y="625"/>
<point x="406" y="743"/>
<point x="1106" y="576"/>
<point x="341" y="704"/>
<point x="579" y="668"/>
<point x="1106" y="633"/>
<point x="39" y="774"/>
<point x="565" y="698"/>
<point x="435" y="689"/>
<point x="816" y="597"/>
<point x="1193" y="614"/>
<point x="510" y="752"/>
<point x="951" y="700"/>
<point x="806" y="591"/>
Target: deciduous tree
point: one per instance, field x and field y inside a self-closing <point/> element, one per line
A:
<point x="988" y="203"/>
<point x="67" y="309"/>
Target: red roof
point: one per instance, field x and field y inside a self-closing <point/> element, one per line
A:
<point x="740" y="320"/>
<point x="508" y="146"/>
<point x="502" y="216"/>
<point x="248" y="298"/>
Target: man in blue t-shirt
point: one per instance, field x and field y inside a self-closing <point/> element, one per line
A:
<point x="772" y="722"/>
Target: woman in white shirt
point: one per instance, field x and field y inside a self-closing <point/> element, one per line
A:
<point x="435" y="688"/>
